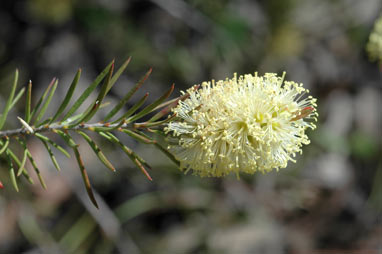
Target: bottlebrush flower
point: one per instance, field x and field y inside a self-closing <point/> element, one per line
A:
<point x="245" y="124"/>
<point x="374" y="46"/>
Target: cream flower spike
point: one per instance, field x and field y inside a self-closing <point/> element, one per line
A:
<point x="246" y="124"/>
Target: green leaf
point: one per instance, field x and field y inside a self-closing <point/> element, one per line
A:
<point x="68" y="96"/>
<point x="85" y="177"/>
<point x="60" y="148"/>
<point x="168" y="105"/>
<point x="168" y="154"/>
<point x="3" y="117"/>
<point x="127" y="96"/>
<point x="84" y="173"/>
<point x="78" y="116"/>
<point x="88" y="91"/>
<point x="90" y="112"/>
<point x="149" y="124"/>
<point x="22" y="165"/>
<point x="163" y="150"/>
<point x="51" y="155"/>
<point x="34" y="165"/>
<point x="12" y="172"/>
<point x="28" y="103"/>
<point x="97" y="151"/>
<point x="69" y="141"/>
<point x="42" y="98"/>
<point x="136" y="159"/>
<point x="25" y="173"/>
<point x="119" y="73"/>
<point x="138" y="137"/>
<point x="46" y="103"/>
<point x="17" y="98"/>
<point x="5" y="146"/>
<point x="132" y="109"/>
<point x="151" y="107"/>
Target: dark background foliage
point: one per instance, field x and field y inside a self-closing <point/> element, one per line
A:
<point x="329" y="200"/>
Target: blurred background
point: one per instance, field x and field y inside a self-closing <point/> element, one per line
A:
<point x="328" y="202"/>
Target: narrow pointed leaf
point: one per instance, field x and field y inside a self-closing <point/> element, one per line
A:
<point x="22" y="165"/>
<point x="51" y="155"/>
<point x="60" y="148"/>
<point x="3" y="117"/>
<point x="138" y="137"/>
<point x="68" y="96"/>
<point x="133" y="109"/>
<point x="38" y="173"/>
<point x="127" y="96"/>
<point x="12" y="172"/>
<point x="84" y="173"/>
<point x="17" y="98"/>
<point x="151" y="107"/>
<point x="163" y="150"/>
<point x="97" y="151"/>
<point x="5" y="146"/>
<point x="67" y="138"/>
<point x="119" y="73"/>
<point x="176" y="100"/>
<point x="149" y="124"/>
<point x="28" y="102"/>
<point x="87" y="92"/>
<point x="42" y="98"/>
<point x="85" y="177"/>
<point x="168" y="105"/>
<point x="138" y="161"/>
<point x="78" y="116"/>
<point x="168" y="154"/>
<point x="15" y="159"/>
<point x="46" y="103"/>
<point x="95" y="106"/>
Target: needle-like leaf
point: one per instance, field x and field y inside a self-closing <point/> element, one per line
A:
<point x="34" y="165"/>
<point x="90" y="112"/>
<point x="68" y="96"/>
<point x="133" y="109"/>
<point x="5" y="146"/>
<point x="97" y="151"/>
<point x="87" y="92"/>
<point x="60" y="148"/>
<point x="135" y="158"/>
<point x="51" y="155"/>
<point x="12" y="172"/>
<point x="162" y="149"/>
<point x="84" y="173"/>
<point x="127" y="96"/>
<point x="3" y="117"/>
<point x="151" y="107"/>
<point x="42" y="98"/>
<point x="15" y="159"/>
<point x="17" y="97"/>
<point x="46" y="103"/>
<point x="138" y="137"/>
<point x="28" y="102"/>
<point x="118" y="73"/>
<point x="23" y="161"/>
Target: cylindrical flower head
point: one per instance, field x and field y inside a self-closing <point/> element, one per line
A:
<point x="245" y="124"/>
